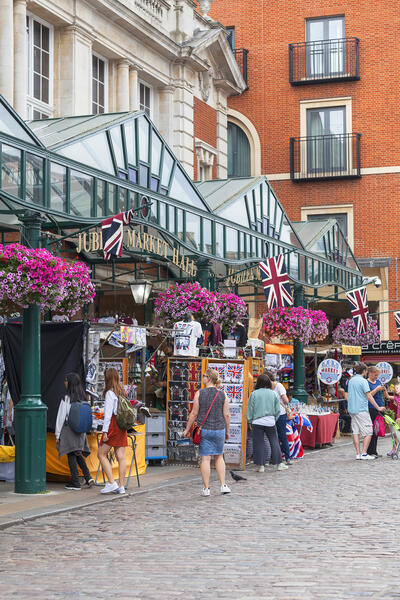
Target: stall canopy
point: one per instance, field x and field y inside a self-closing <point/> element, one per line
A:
<point x="76" y="171"/>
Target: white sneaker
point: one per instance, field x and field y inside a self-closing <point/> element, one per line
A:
<point x="358" y="456"/>
<point x="109" y="487"/>
<point x="205" y="492"/>
<point x="261" y="469"/>
<point x="281" y="467"/>
<point x="367" y="457"/>
<point x="225" y="489"/>
<point x="120" y="490"/>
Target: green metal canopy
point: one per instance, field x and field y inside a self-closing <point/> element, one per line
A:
<point x="76" y="171"/>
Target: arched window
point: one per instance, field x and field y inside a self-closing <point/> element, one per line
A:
<point x="239" y="163"/>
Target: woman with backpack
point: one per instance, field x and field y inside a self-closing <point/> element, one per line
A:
<point x="112" y="435"/>
<point x="74" y="445"/>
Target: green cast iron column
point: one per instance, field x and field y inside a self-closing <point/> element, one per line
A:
<point x="203" y="273"/>
<point x="30" y="412"/>
<point x="299" y="391"/>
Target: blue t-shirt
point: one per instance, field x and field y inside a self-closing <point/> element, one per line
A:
<point x="378" y="397"/>
<point x="357" y="400"/>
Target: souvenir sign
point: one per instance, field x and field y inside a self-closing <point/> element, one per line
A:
<point x="386" y="372"/>
<point x="329" y="371"/>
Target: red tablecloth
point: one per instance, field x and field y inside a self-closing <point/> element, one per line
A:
<point x="324" y="430"/>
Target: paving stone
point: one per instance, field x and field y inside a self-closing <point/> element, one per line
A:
<point x="325" y="529"/>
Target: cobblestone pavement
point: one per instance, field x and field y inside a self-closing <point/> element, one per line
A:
<point x="326" y="528"/>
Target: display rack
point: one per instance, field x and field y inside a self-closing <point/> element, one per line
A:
<point x="183" y="380"/>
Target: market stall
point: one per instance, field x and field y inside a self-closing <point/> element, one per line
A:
<point x="184" y="379"/>
<point x="324" y="427"/>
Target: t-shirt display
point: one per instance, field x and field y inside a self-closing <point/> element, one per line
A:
<point x="186" y="334"/>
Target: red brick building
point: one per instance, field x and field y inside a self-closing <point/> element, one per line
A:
<point x="321" y="120"/>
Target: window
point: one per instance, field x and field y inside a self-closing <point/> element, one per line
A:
<point x="238" y="152"/>
<point x="325" y="50"/>
<point x="326" y="145"/>
<point x="145" y="98"/>
<point x="231" y="37"/>
<point x="99" y="85"/>
<point x="40" y="67"/>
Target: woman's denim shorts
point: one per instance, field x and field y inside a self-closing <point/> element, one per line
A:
<point x="212" y="442"/>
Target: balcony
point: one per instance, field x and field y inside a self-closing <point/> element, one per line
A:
<point x="324" y="61"/>
<point x="240" y="55"/>
<point x="325" y="157"/>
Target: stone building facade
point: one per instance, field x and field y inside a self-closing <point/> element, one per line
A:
<point x="68" y="57"/>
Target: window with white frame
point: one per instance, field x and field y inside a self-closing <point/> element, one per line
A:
<point x="343" y="213"/>
<point x="145" y="98"/>
<point x="40" y="68"/>
<point x="99" y="84"/>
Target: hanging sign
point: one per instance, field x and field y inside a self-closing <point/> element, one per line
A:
<point x="329" y="371"/>
<point x="351" y="350"/>
<point x="386" y="372"/>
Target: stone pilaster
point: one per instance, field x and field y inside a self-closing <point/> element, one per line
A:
<point x="6" y="50"/>
<point x="166" y="113"/>
<point x="75" y="81"/>
<point x="222" y="135"/>
<point x="183" y="132"/>
<point x="20" y="57"/>
<point x="122" y="85"/>
<point x="133" y="89"/>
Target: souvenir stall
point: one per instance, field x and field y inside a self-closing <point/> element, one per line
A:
<point x="184" y="379"/>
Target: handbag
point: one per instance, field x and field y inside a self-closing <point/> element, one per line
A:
<point x="195" y="432"/>
<point x="379" y="426"/>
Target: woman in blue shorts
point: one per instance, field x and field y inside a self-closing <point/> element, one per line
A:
<point x="215" y="430"/>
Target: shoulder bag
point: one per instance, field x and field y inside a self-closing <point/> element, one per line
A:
<point x="195" y="432"/>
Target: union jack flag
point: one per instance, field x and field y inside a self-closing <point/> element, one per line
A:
<point x="113" y="233"/>
<point x="275" y="281"/>
<point x="359" y="308"/>
<point x="234" y="372"/>
<point x="397" y="319"/>
<point x="193" y="387"/>
<point x="220" y="368"/>
<point x="234" y="392"/>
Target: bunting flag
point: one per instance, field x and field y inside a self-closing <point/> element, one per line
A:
<point x="359" y="308"/>
<point x="397" y="319"/>
<point x="275" y="281"/>
<point x="113" y="233"/>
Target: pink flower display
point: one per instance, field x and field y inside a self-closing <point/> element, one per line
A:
<point x="78" y="287"/>
<point x="35" y="276"/>
<point x="212" y="307"/>
<point x="296" y="323"/>
<point x="346" y="333"/>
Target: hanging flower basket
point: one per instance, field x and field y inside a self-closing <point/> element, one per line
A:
<point x="172" y="305"/>
<point x="79" y="288"/>
<point x="211" y="307"/>
<point x="346" y="333"/>
<point x="35" y="276"/>
<point x="296" y="323"/>
<point x="232" y="309"/>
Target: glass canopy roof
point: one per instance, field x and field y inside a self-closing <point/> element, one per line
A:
<point x="76" y="171"/>
<point x="126" y="145"/>
<point x="326" y="239"/>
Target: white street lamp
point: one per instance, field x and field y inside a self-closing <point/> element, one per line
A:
<point x="141" y="289"/>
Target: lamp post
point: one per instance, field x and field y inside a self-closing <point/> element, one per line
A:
<point x="30" y="412"/>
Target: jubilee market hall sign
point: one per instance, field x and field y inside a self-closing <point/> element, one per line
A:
<point x="135" y="240"/>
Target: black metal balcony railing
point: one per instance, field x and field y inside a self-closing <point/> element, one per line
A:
<point x="241" y="59"/>
<point x="325" y="157"/>
<point x="322" y="61"/>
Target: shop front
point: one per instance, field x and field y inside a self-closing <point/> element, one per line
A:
<point x="61" y="178"/>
